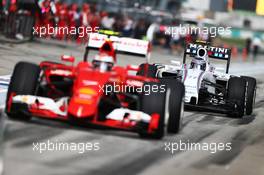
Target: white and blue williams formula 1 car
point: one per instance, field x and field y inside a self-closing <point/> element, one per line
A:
<point x="208" y="88"/>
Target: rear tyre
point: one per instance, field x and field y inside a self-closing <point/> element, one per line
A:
<point x="154" y="103"/>
<point x="147" y="69"/>
<point x="176" y="105"/>
<point x="24" y="81"/>
<point x="236" y="94"/>
<point x="251" y="94"/>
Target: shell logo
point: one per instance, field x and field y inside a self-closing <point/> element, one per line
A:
<point x="87" y="91"/>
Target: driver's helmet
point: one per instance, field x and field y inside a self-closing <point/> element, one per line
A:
<point x="198" y="63"/>
<point x="103" y="62"/>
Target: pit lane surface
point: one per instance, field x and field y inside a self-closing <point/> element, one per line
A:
<point x="125" y="153"/>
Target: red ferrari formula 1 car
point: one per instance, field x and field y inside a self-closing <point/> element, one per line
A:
<point x="97" y="92"/>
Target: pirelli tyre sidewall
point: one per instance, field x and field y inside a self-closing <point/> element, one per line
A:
<point x="236" y="94"/>
<point x="24" y="81"/>
<point x="176" y="103"/>
<point x="251" y="94"/>
<point x="151" y="70"/>
<point x="151" y="103"/>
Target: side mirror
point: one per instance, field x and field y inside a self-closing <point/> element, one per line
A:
<point x="68" y="58"/>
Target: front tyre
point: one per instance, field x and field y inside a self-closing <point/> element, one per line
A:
<point x="151" y="103"/>
<point x="236" y="94"/>
<point x="176" y="104"/>
<point x="24" y="81"/>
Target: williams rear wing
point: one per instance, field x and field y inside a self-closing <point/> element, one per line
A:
<point x="121" y="44"/>
<point x="219" y="53"/>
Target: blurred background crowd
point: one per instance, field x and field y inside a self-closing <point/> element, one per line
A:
<point x="142" y="19"/>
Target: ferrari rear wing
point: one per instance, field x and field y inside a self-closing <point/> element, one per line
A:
<point x="219" y="53"/>
<point x="121" y="44"/>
